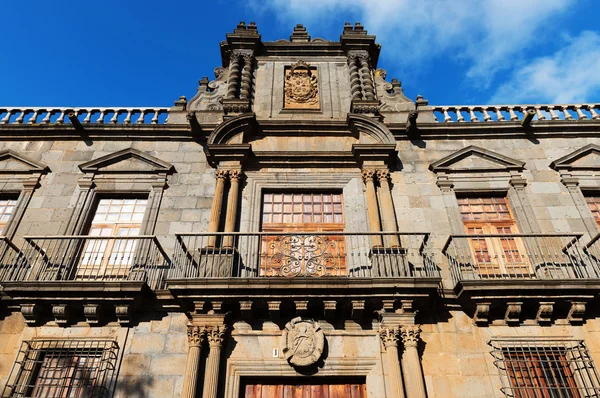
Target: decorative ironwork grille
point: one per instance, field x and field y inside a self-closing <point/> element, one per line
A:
<point x="63" y="368"/>
<point x="546" y="369"/>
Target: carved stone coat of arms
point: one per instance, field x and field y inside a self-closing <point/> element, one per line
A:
<point x="304" y="342"/>
<point x="301" y="87"/>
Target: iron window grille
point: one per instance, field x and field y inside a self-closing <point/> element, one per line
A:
<point x="545" y="369"/>
<point x="63" y="368"/>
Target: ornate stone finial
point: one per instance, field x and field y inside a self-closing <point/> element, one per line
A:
<point x="196" y="335"/>
<point x="304" y="342"/>
<point x="235" y="175"/>
<point x="216" y="335"/>
<point x="389" y="336"/>
<point x="368" y="175"/>
<point x="410" y="335"/>
<point x="221" y="174"/>
<point x="383" y="175"/>
<point x="299" y="35"/>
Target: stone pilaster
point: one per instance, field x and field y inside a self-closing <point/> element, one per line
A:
<point x="235" y="176"/>
<point x="411" y="363"/>
<point x="216" y="338"/>
<point x="372" y="208"/>
<point x="388" y="216"/>
<point x="389" y="337"/>
<point x="196" y="337"/>
<point x="217" y="205"/>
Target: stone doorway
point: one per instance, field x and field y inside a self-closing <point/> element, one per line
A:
<point x="309" y="388"/>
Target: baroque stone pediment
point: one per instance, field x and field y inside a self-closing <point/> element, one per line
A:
<point x="15" y="163"/>
<point x="473" y="159"/>
<point x="586" y="158"/>
<point x="127" y="161"/>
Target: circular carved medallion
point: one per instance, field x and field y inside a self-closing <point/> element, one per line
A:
<point x="304" y="342"/>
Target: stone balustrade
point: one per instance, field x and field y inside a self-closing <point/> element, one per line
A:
<point x="86" y="116"/>
<point x="515" y="113"/>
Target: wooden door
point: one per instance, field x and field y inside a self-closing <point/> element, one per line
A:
<point x="303" y="244"/>
<point x="305" y="391"/>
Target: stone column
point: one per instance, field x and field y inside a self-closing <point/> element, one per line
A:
<point x="389" y="336"/>
<point x="355" y="88"/>
<point x="246" y="76"/>
<point x="234" y="75"/>
<point x="365" y="77"/>
<point x="388" y="216"/>
<point x="215" y="213"/>
<point x="196" y="336"/>
<point x="372" y="210"/>
<point x="235" y="177"/>
<point x="411" y="364"/>
<point x="216" y="337"/>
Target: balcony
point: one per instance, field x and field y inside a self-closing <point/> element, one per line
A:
<point x="542" y="275"/>
<point x="356" y="268"/>
<point x="68" y="272"/>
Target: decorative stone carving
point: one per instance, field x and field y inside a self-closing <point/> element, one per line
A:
<point x="513" y="312"/>
<point x="576" y="312"/>
<point x="304" y="342"/>
<point x="368" y="175"/>
<point x="196" y="335"/>
<point x="30" y="313"/>
<point x="235" y="175"/>
<point x="216" y="335"/>
<point x="301" y="87"/>
<point x="210" y="94"/>
<point x="391" y="95"/>
<point x="545" y="312"/>
<point x="383" y="175"/>
<point x="389" y="336"/>
<point x="123" y="314"/>
<point x="482" y="313"/>
<point x="91" y="313"/>
<point x="410" y="335"/>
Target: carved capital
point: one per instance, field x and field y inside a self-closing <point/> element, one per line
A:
<point x="216" y="335"/>
<point x="235" y="175"/>
<point x="221" y="174"/>
<point x="248" y="58"/>
<point x="410" y="335"/>
<point x="196" y="335"/>
<point x="383" y="175"/>
<point x="368" y="175"/>
<point x="236" y="56"/>
<point x="389" y="336"/>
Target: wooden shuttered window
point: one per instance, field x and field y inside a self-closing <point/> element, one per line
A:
<point x="495" y="255"/>
<point x="593" y="202"/>
<point x="118" y="218"/>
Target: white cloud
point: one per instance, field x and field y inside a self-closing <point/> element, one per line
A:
<point x="568" y="76"/>
<point x="489" y="35"/>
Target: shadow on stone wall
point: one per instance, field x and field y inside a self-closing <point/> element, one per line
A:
<point x="134" y="386"/>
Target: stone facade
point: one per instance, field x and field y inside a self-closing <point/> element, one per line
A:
<point x="397" y="308"/>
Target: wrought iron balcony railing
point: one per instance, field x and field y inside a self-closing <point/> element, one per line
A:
<point x="297" y="254"/>
<point x="520" y="256"/>
<point x="90" y="258"/>
<point x="9" y="256"/>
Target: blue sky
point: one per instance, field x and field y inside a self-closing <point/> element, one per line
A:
<point x="148" y="53"/>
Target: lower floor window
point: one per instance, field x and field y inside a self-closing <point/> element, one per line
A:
<point x="63" y="368"/>
<point x="546" y="369"/>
